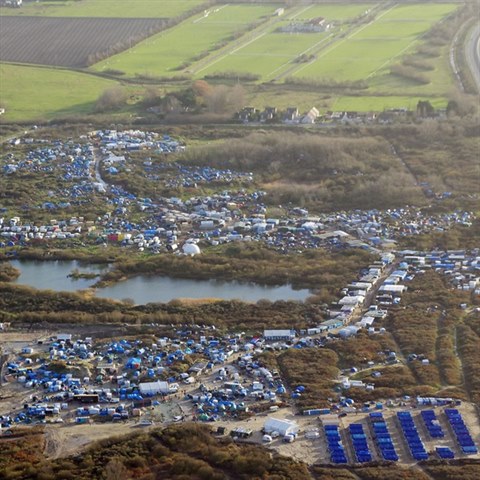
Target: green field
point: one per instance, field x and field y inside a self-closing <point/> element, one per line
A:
<point x="104" y="8"/>
<point x="266" y="56"/>
<point x="271" y="53"/>
<point x="43" y="93"/>
<point x="220" y="40"/>
<point x="336" y="13"/>
<point x="161" y="54"/>
<point x="371" y="49"/>
<point x="378" y="104"/>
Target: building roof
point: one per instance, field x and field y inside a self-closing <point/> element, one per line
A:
<point x="279" y="424"/>
<point x="278" y="333"/>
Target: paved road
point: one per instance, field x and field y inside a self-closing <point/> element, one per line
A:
<point x="472" y="54"/>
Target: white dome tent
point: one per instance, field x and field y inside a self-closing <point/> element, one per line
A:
<point x="191" y="249"/>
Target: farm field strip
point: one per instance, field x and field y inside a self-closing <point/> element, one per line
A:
<point x="170" y="51"/>
<point x="255" y="35"/>
<point x="67" y="42"/>
<point x="202" y="18"/>
<point x="391" y="59"/>
<point x="104" y="8"/>
<point x="369" y="49"/>
<point x="336" y="13"/>
<point x="279" y="49"/>
<point x="341" y="42"/>
<point x="292" y="17"/>
<point x="373" y="103"/>
<point x="270" y="46"/>
<point x="234" y="47"/>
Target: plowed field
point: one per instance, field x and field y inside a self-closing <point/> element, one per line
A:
<point x="70" y="42"/>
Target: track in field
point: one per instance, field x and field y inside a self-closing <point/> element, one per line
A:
<point x="70" y="42"/>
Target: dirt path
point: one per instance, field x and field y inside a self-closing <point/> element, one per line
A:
<point x="71" y="439"/>
<point x="408" y="170"/>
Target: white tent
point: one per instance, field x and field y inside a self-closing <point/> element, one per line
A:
<point x="154" y="388"/>
<point x="282" y="426"/>
<point x="191" y="249"/>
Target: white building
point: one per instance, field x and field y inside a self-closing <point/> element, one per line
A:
<point x="395" y="289"/>
<point x="282" y="426"/>
<point x="352" y="300"/>
<point x="155" y="388"/>
<point x="279" y="334"/>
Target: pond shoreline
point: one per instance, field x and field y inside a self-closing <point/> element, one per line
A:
<point x="144" y="288"/>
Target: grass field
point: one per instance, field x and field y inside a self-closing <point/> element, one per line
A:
<point x="219" y="42"/>
<point x="267" y="55"/>
<point x="53" y="94"/>
<point x="104" y="8"/>
<point x="377" y="104"/>
<point x="271" y="53"/>
<point x="335" y="13"/>
<point x="167" y="51"/>
<point x="371" y="49"/>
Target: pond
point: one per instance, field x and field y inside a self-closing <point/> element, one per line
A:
<point x="53" y="275"/>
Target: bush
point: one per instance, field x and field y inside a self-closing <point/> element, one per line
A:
<point x="111" y="99"/>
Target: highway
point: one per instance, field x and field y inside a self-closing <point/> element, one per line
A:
<point x="472" y="54"/>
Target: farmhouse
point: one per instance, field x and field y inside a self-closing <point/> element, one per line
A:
<point x="268" y="114"/>
<point x="311" y="116"/>
<point x="248" y="114"/>
<point x="291" y="115"/>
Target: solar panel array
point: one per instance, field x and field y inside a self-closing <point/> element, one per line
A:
<point x="464" y="439"/>
<point x="415" y="444"/>
<point x="382" y="437"/>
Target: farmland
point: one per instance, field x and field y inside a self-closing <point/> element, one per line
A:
<point x="388" y="50"/>
<point x="173" y="50"/>
<point x="56" y="92"/>
<point x="71" y="42"/>
<point x="269" y="53"/>
<point x="392" y="34"/>
<point x="104" y="8"/>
